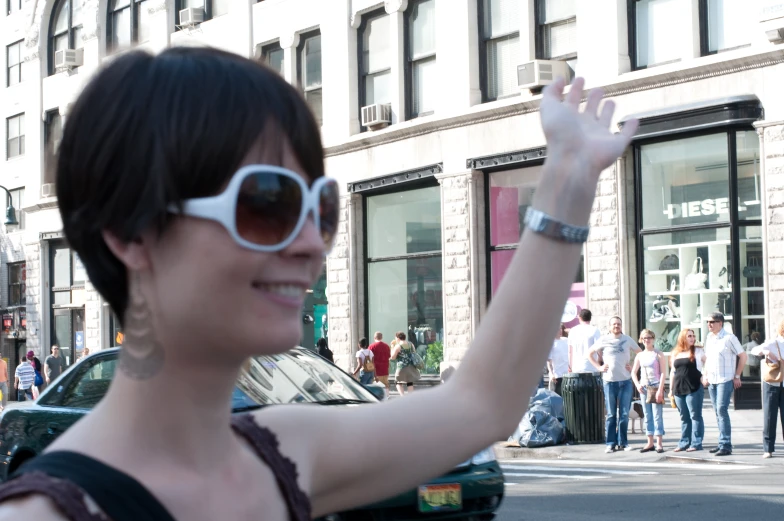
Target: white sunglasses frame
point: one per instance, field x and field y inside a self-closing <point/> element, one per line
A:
<point x="222" y="208"/>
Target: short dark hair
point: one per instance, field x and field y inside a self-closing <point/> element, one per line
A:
<point x="585" y="315"/>
<point x="717" y="316"/>
<point x="321" y="343"/>
<point x="363" y="343"/>
<point x="401" y="335"/>
<point x="150" y="131"/>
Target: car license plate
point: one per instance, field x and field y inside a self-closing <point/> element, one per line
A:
<point x="440" y="498"/>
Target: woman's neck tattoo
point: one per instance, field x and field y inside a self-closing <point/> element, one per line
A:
<point x="141" y="355"/>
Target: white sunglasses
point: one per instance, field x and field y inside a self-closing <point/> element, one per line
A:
<point x="265" y="207"/>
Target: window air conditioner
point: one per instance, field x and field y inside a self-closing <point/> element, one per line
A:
<point x="47" y="190"/>
<point x="376" y="116"/>
<point x="772" y="20"/>
<point x="539" y="73"/>
<point x="68" y="58"/>
<point x="191" y="16"/>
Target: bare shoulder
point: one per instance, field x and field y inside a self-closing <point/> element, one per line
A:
<point x="35" y="507"/>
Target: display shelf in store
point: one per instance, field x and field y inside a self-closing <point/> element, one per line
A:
<point x="663" y="272"/>
<point x="689" y="245"/>
<point x="753" y="288"/>
<point x="679" y="293"/>
<point x="757" y="317"/>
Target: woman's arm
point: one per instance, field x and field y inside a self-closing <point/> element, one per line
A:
<point x="662" y="377"/>
<point x="395" y="352"/>
<point x="634" y="374"/>
<point x="485" y="399"/>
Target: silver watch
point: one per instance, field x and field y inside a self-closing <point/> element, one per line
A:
<point x="539" y="222"/>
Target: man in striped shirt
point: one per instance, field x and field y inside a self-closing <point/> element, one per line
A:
<point x="725" y="360"/>
<point x="23" y="381"/>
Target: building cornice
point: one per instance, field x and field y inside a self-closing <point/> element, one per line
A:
<point x="480" y="114"/>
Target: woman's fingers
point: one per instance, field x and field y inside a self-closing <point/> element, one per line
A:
<point x="555" y="90"/>
<point x="575" y="93"/>
<point x="606" y="114"/>
<point x="592" y="104"/>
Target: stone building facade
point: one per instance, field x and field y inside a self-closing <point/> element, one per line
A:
<point x="434" y="190"/>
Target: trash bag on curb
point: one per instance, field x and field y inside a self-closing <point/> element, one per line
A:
<point x="543" y="423"/>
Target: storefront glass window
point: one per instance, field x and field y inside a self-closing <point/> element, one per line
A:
<point x="748" y="152"/>
<point x="688" y="270"/>
<point x="404" y="273"/>
<point x="685" y="182"/>
<point x="314" y="317"/>
<point x="510" y="194"/>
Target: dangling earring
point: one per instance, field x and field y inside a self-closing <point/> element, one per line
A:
<point x="141" y="356"/>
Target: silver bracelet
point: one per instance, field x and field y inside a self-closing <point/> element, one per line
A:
<point x="541" y="223"/>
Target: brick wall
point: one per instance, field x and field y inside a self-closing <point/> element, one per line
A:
<point x="773" y="166"/>
<point x="339" y="290"/>
<point x="458" y="292"/>
<point x="602" y="272"/>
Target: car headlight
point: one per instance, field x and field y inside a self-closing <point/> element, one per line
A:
<point x="485" y="456"/>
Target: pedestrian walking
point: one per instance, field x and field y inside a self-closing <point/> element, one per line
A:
<point x="406" y="374"/>
<point x="687" y="390"/>
<point x="581" y="339"/>
<point x="324" y="350"/>
<point x="38" y="383"/>
<point x="53" y="365"/>
<point x="650" y="362"/>
<point x="167" y="195"/>
<point x="558" y="361"/>
<point x="616" y="349"/>
<point x="365" y="365"/>
<point x="4" y="382"/>
<point x="381" y="353"/>
<point x="770" y="353"/>
<point x="24" y="379"/>
<point x="724" y="362"/>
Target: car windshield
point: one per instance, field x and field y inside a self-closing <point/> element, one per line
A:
<point x="294" y="377"/>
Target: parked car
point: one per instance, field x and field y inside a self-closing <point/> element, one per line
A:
<point x="473" y="490"/>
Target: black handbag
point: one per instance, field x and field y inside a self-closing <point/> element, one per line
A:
<point x="753" y="270"/>
<point x="669" y="262"/>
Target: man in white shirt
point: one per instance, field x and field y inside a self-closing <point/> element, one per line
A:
<point x="724" y="362"/>
<point x="616" y="350"/>
<point x="558" y="361"/>
<point x="581" y="339"/>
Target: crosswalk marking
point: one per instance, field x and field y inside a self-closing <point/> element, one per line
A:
<point x="577" y="469"/>
<point x="641" y="465"/>
<point x="556" y="476"/>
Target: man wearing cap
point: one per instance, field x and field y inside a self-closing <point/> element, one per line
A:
<point x="725" y="360"/>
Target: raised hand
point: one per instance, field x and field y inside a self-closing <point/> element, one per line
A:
<point x="583" y="134"/>
<point x="579" y="146"/>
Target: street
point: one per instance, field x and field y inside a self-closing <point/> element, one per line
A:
<point x="661" y="489"/>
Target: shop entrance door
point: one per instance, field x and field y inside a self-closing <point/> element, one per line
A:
<point x="69" y="333"/>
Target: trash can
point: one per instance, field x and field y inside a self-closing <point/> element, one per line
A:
<point x="583" y="396"/>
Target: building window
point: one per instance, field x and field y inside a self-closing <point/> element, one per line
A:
<point x="725" y="25"/>
<point x="376" y="60"/>
<point x="17" y="199"/>
<point x="700" y="235"/>
<point x="500" y="47"/>
<point x="510" y="193"/>
<point x="67" y="278"/>
<point x="65" y="29"/>
<point x="15" y="136"/>
<point x="421" y="77"/>
<point x="14" y="6"/>
<point x="116" y="335"/>
<point x="272" y="55"/>
<point x="314" y="319"/>
<point x="128" y="24"/>
<point x="13" y="57"/>
<point x="309" y="71"/>
<point x="212" y="8"/>
<point x="17" y="289"/>
<point x="657" y="31"/>
<point x="404" y="274"/>
<point x="53" y="133"/>
<point x="556" y="29"/>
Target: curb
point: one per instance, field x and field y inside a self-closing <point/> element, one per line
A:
<point x="688" y="461"/>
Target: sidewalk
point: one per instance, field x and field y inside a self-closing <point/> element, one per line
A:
<point x="746" y="443"/>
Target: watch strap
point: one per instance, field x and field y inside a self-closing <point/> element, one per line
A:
<point x="543" y="224"/>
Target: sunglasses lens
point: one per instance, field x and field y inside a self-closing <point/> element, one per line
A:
<point x="268" y="208"/>
<point x="329" y="212"/>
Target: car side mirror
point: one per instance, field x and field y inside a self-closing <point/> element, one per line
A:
<point x="377" y="391"/>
